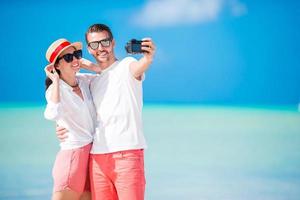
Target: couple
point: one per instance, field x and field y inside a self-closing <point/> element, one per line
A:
<point x="101" y="114"/>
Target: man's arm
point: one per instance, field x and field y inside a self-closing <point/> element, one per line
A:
<point x="61" y="133"/>
<point x="139" y="67"/>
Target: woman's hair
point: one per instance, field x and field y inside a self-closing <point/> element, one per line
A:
<point x="98" y="28"/>
<point x="48" y="81"/>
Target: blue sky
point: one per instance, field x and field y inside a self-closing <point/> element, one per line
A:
<point x="208" y="51"/>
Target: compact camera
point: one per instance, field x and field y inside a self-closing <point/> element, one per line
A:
<point x="134" y="46"/>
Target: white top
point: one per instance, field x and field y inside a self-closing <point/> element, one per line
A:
<point x="118" y="98"/>
<point x="72" y="113"/>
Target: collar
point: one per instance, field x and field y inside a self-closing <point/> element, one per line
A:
<point x="67" y="86"/>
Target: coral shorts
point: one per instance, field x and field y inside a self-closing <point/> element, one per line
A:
<point x="70" y="171"/>
<point x="118" y="175"/>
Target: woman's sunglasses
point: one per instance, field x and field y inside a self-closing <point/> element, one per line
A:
<point x="95" y="44"/>
<point x="69" y="56"/>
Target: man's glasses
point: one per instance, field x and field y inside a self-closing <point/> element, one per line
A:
<point x="69" y="56"/>
<point x="104" y="43"/>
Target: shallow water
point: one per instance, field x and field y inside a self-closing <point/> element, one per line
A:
<point x="195" y="152"/>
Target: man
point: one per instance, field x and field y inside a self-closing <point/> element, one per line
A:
<point x="117" y="157"/>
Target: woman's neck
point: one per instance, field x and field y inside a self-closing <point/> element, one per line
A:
<point x="70" y="80"/>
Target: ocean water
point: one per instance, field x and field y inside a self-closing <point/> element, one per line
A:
<point x="194" y="153"/>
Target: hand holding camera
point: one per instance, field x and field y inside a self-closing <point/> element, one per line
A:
<point x="139" y="46"/>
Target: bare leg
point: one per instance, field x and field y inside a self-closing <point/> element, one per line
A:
<point x="86" y="196"/>
<point x="66" y="195"/>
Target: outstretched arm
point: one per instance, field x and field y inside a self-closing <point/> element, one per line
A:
<point x="139" y="67"/>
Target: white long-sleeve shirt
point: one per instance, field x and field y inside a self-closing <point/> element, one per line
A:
<point x="76" y="115"/>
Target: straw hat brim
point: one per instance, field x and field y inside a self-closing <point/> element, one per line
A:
<point x="76" y="45"/>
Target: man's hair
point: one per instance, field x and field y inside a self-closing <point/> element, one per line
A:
<point x="98" y="28"/>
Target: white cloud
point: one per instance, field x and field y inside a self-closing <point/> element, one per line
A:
<point x="174" y="12"/>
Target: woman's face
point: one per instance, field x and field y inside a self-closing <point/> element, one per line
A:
<point x="68" y="68"/>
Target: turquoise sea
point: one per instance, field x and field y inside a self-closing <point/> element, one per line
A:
<point x="195" y="152"/>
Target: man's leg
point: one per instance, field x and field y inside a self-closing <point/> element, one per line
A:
<point x="130" y="175"/>
<point x="102" y="187"/>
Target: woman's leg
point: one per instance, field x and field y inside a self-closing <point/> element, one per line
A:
<point x="86" y="196"/>
<point x="66" y="195"/>
<point x="69" y="172"/>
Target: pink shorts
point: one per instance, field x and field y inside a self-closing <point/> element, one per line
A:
<point x="70" y="170"/>
<point x="118" y="175"/>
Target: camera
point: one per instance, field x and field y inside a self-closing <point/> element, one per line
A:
<point x="134" y="46"/>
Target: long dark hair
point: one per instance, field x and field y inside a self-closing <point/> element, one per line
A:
<point x="48" y="81"/>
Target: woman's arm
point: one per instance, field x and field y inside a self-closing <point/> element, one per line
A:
<point x="88" y="65"/>
<point x="53" y="98"/>
<point x="53" y="75"/>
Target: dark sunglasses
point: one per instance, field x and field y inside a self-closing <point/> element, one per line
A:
<point x="69" y="56"/>
<point x="104" y="43"/>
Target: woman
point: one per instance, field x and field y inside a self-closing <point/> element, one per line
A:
<point x="70" y="104"/>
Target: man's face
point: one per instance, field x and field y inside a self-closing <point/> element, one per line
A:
<point x="101" y="46"/>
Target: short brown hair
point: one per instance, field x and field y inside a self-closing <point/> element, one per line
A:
<point x="98" y="28"/>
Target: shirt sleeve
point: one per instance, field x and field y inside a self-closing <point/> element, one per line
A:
<point x="126" y="62"/>
<point x="53" y="110"/>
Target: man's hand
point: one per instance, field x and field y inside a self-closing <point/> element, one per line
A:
<point x="139" y="67"/>
<point x="61" y="133"/>
<point x="149" y="47"/>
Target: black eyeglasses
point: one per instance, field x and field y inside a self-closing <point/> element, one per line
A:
<point x="69" y="56"/>
<point x="104" y="43"/>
